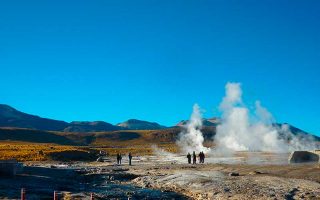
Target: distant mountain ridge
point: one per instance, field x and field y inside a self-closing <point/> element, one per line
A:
<point x="10" y="117"/>
<point x="134" y="124"/>
<point x="95" y="126"/>
<point x="205" y="122"/>
<point x="215" y="121"/>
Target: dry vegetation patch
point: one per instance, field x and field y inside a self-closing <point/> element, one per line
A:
<point x="32" y="151"/>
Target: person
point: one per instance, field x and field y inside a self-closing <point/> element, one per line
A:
<point x="200" y="157"/>
<point x="120" y="158"/>
<point x="194" y="158"/>
<point x="189" y="158"/>
<point x="130" y="158"/>
<point x="203" y="156"/>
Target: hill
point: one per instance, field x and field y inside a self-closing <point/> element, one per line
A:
<point x="134" y="124"/>
<point x="205" y="122"/>
<point x="95" y="126"/>
<point x="35" y="136"/>
<point x="31" y="128"/>
<point x="10" y="117"/>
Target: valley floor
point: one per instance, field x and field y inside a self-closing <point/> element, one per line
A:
<point x="214" y="181"/>
<point x="170" y="174"/>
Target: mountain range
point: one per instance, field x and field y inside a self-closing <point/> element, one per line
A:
<point x="12" y="118"/>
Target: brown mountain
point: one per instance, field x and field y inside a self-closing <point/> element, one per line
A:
<point x="205" y="122"/>
<point x="10" y="117"/>
<point x="134" y="124"/>
<point x="96" y="126"/>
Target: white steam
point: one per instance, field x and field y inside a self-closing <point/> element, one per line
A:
<point x="191" y="139"/>
<point x="239" y="132"/>
<point x="242" y="129"/>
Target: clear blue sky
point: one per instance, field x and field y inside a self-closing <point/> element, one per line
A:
<point x="152" y="60"/>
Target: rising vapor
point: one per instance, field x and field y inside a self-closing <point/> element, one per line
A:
<point x="238" y="132"/>
<point x="242" y="130"/>
<point x="191" y="139"/>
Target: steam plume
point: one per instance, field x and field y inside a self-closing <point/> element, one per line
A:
<point x="237" y="132"/>
<point x="191" y="139"/>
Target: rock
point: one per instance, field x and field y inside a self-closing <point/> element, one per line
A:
<point x="234" y="174"/>
<point x="255" y="173"/>
<point x="304" y="156"/>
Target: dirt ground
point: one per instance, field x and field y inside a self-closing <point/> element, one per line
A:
<point x="213" y="181"/>
<point x="236" y="180"/>
<point x="237" y="177"/>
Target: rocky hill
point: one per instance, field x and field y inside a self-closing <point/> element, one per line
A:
<point x="205" y="122"/>
<point x="96" y="126"/>
<point x="134" y="124"/>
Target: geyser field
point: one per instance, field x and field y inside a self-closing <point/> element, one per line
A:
<point x="246" y="158"/>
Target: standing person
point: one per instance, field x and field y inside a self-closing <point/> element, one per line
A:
<point x="120" y="158"/>
<point x="130" y="158"/>
<point x="117" y="159"/>
<point x="194" y="158"/>
<point x="203" y="156"/>
<point x="189" y="158"/>
<point x="200" y="157"/>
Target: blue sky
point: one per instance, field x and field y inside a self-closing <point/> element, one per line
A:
<point x="152" y="60"/>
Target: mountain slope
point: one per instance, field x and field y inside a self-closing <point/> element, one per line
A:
<point x="284" y="128"/>
<point x="35" y="136"/>
<point x="96" y="126"/>
<point x="10" y="117"/>
<point x="134" y="124"/>
<point x="205" y="122"/>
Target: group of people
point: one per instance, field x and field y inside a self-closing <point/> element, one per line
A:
<point x="119" y="158"/>
<point x="194" y="157"/>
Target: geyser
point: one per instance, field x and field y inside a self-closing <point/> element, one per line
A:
<point x="191" y="139"/>
<point x="241" y="130"/>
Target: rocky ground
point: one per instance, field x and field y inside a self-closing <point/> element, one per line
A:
<point x="236" y="180"/>
<point x="238" y="177"/>
<point x="214" y="181"/>
<point x="231" y="178"/>
<point x="77" y="181"/>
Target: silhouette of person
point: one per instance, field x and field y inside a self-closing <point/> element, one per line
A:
<point x="194" y="158"/>
<point x="189" y="158"/>
<point x="203" y="156"/>
<point x="130" y="158"/>
<point x="120" y="158"/>
<point x="200" y="157"/>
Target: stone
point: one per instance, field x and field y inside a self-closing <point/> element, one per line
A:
<point x="234" y="174"/>
<point x="304" y="156"/>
